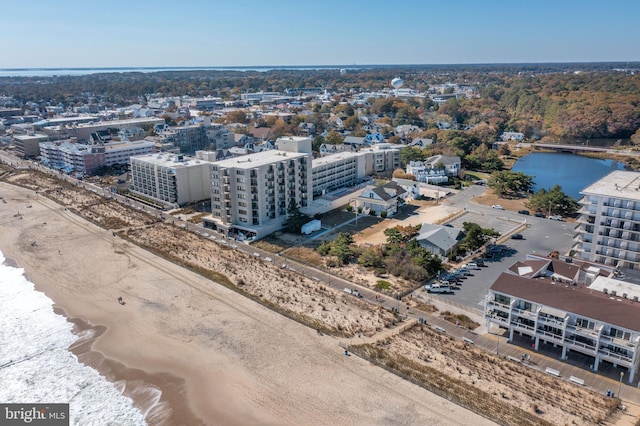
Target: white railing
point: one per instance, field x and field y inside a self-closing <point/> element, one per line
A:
<point x="615" y="356"/>
<point x="580" y="344"/>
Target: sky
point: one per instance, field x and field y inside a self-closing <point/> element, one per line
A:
<point x="193" y="33"/>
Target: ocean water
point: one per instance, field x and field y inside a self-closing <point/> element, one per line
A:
<point x="36" y="365"/>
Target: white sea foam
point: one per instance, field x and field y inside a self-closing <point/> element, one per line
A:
<point x="37" y="367"/>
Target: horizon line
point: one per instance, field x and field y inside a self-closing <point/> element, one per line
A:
<point x="317" y="65"/>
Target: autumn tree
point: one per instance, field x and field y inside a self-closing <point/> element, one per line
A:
<point x="238" y="116"/>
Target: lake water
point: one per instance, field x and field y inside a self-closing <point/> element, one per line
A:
<point x="572" y="172"/>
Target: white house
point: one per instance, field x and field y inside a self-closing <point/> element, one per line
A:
<point x="512" y="136"/>
<point x="385" y="198"/>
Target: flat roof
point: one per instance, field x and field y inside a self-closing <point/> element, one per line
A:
<point x="617" y="184"/>
<point x="115" y="123"/>
<point x="170" y="160"/>
<point x="333" y="158"/>
<point x="579" y="300"/>
<point x="259" y="159"/>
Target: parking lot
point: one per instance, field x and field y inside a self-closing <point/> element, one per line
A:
<point x="540" y="236"/>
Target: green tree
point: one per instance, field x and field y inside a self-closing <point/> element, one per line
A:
<point x="476" y="236"/>
<point x="341" y="248"/>
<point x="295" y="220"/>
<point x="409" y="154"/>
<point x="553" y="201"/>
<point x="334" y="138"/>
<point x="508" y="183"/>
<point x="370" y="258"/>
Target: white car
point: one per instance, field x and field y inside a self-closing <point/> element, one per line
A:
<point x="556" y="217"/>
<point x="497" y="207"/>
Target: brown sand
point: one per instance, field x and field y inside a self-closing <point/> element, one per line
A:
<point x="215" y="355"/>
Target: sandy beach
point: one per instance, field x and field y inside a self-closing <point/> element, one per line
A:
<point x="218" y="357"/>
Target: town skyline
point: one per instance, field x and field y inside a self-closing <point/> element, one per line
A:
<point x="251" y="34"/>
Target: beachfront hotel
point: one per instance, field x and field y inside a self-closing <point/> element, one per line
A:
<point x="572" y="306"/>
<point x="170" y="179"/>
<point x="251" y="195"/>
<point x="608" y="229"/>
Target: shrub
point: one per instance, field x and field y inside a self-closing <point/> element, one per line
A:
<point x="383" y="285"/>
<point x="383" y="214"/>
<point x="349" y="208"/>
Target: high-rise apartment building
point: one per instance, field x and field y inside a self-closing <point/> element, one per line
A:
<point x="251" y="195"/>
<point x="608" y="230"/>
<point x="171" y="179"/>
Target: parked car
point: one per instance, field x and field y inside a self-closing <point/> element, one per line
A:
<point x="525" y="212"/>
<point x="470" y="266"/>
<point x="437" y="288"/>
<point x="556" y="217"/>
<point x="540" y="215"/>
<point x="497" y="207"/>
<point x="517" y="237"/>
<point x="479" y="262"/>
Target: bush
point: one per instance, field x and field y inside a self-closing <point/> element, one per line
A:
<point x="383" y="285"/>
<point x="383" y="214"/>
<point x="372" y="212"/>
<point x="349" y="208"/>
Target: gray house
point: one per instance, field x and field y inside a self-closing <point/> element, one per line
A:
<point x="439" y="240"/>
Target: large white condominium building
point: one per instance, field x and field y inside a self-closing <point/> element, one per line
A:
<point x="339" y="170"/>
<point x="171" y="179"/>
<point x="251" y="195"/>
<point x="608" y="230"/>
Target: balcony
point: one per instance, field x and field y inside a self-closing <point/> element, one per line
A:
<point x="498" y="305"/>
<point x="553" y="322"/>
<point x="497" y="318"/>
<point x="523" y="313"/>
<point x="571" y="344"/>
<point x="614" y="357"/>
<point x="522" y="328"/>
<point x="616" y="341"/>
<point x="556" y="338"/>
<point x="582" y="331"/>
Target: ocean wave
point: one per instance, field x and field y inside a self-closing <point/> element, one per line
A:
<point x="36" y="365"/>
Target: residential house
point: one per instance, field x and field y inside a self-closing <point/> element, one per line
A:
<point x="261" y="133"/>
<point x="512" y="136"/>
<point x="451" y="164"/>
<point x="384" y="198"/>
<point x="439" y="240"/>
<point x="421" y="142"/>
<point x="308" y="129"/>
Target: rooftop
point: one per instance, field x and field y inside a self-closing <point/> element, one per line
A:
<point x="263" y="158"/>
<point x="170" y="160"/>
<point x="328" y="159"/>
<point x="617" y="184"/>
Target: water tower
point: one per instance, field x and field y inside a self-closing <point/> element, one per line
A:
<point x="397" y="83"/>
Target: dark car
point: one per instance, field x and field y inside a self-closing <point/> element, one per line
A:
<point x="540" y="215"/>
<point x="525" y="212"/>
<point x="517" y="237"/>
